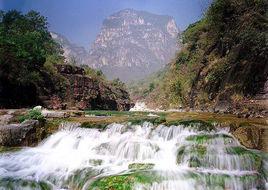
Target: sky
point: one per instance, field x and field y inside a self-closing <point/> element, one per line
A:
<point x="81" y="20"/>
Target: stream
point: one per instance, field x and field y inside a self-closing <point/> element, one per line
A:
<point x="141" y="157"/>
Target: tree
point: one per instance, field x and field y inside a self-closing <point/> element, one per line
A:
<point x="25" y="44"/>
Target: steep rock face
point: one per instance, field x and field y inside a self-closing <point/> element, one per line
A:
<point x="84" y="92"/>
<point x="71" y="52"/>
<point x="133" y="44"/>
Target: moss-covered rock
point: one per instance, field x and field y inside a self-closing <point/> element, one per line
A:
<point x="206" y="138"/>
<point x="199" y="125"/>
<point x="241" y="151"/>
<point x="140" y="166"/>
<point x="100" y="126"/>
<point x="80" y="177"/>
<point x="194" y="153"/>
<point x="124" y="181"/>
<point x="21" y="184"/>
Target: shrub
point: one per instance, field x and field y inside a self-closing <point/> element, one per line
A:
<point x="33" y="114"/>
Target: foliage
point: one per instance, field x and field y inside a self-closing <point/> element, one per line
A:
<point x="27" y="56"/>
<point x="32" y="114"/>
<point x="25" y="43"/>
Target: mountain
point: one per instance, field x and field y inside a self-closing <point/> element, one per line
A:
<point x="133" y="44"/>
<point x="72" y="52"/>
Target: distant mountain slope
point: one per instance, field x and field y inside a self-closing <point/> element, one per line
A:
<point x="72" y="52"/>
<point x="133" y="44"/>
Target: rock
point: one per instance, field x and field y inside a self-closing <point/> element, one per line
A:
<point x="259" y="116"/>
<point x="222" y="107"/>
<point x="84" y="92"/>
<point x="76" y="113"/>
<point x="37" y="108"/>
<point x="70" y="69"/>
<point x="22" y="134"/>
<point x="4" y="119"/>
<point x="248" y="136"/>
<point x="69" y="125"/>
<point x="54" y="114"/>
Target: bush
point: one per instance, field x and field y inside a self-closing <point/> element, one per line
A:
<point x="33" y="114"/>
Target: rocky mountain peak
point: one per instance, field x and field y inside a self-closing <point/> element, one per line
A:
<point x="133" y="44"/>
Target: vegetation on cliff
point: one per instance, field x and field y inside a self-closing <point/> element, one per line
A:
<point x="223" y="59"/>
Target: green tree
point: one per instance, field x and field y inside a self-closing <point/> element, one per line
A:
<point x="25" y="44"/>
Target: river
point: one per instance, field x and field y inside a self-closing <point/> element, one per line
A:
<point x="141" y="157"/>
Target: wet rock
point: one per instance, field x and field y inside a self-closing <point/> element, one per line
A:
<point x="54" y="114"/>
<point x="19" y="134"/>
<point x="69" y="125"/>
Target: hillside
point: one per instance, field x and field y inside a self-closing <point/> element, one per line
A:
<point x="223" y="61"/>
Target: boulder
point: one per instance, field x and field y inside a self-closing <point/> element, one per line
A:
<point x="22" y="134"/>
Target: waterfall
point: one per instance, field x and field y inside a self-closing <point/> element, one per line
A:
<point x="168" y="157"/>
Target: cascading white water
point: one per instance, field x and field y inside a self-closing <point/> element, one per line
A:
<point x="182" y="158"/>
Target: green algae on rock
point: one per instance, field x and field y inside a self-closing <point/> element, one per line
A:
<point x="124" y="181"/>
<point x="140" y="166"/>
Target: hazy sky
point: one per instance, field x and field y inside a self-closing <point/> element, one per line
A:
<point x="81" y="20"/>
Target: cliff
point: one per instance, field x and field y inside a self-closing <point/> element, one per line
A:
<point x="133" y="44"/>
<point x="86" y="92"/>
